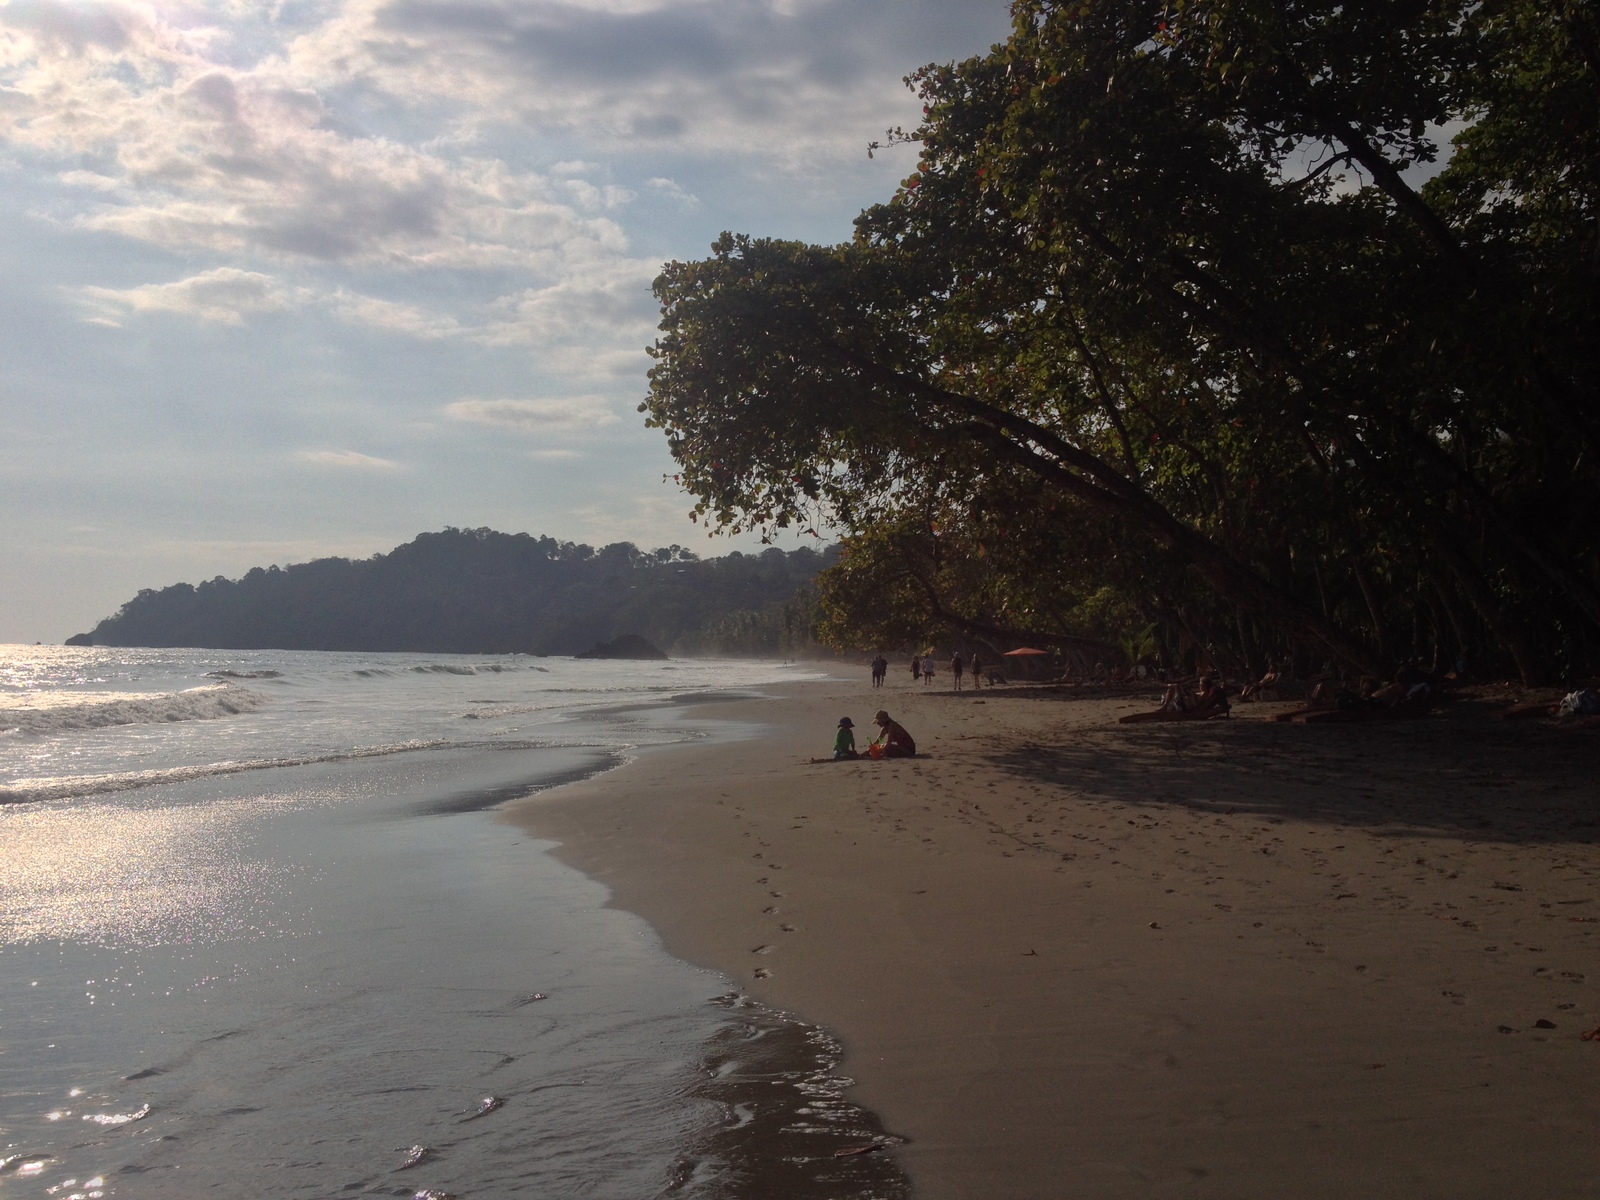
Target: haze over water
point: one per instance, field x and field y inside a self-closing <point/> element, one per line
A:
<point x="258" y="937"/>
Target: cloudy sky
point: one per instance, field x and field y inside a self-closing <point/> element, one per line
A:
<point x="280" y="280"/>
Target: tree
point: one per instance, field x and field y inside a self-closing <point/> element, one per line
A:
<point x="1161" y="268"/>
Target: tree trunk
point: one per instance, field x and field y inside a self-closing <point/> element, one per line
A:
<point x="1531" y="665"/>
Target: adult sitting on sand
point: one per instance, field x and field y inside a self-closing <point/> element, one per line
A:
<point x="894" y="741"/>
<point x="1208" y="700"/>
<point x="1210" y="695"/>
<point x="1409" y="683"/>
<point x="1259" y="689"/>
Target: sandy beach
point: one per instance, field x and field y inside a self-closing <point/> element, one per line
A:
<point x="1071" y="958"/>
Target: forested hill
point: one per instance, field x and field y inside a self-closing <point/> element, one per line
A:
<point x="475" y="591"/>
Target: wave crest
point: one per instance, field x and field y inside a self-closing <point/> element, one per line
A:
<point x="63" y="787"/>
<point x="66" y="712"/>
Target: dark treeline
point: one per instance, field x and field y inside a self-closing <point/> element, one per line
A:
<point x="1190" y="324"/>
<point x="475" y="591"/>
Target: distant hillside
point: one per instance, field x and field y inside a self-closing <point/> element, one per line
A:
<point x="475" y="591"/>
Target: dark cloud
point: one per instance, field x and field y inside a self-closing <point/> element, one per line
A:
<point x="834" y="42"/>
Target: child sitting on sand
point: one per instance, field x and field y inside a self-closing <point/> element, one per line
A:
<point x="844" y="742"/>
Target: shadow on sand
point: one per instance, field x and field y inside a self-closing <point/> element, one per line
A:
<point x="1458" y="774"/>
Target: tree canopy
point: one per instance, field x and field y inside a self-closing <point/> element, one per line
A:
<point x="1271" y="322"/>
<point x="476" y="591"/>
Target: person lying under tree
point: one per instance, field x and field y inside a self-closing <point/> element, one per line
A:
<point x="1259" y="689"/>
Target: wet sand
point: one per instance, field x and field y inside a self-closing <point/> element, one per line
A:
<point x="1069" y="958"/>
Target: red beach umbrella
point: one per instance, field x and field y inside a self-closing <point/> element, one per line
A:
<point x="1023" y="652"/>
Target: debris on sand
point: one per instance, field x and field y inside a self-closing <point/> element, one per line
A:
<point x="849" y="1151"/>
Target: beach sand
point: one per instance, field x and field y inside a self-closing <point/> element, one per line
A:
<point x="1069" y="958"/>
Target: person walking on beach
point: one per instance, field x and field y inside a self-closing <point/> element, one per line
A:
<point x="880" y="668"/>
<point x="916" y="669"/>
<point x="956" y="668"/>
<point x="927" y="668"/>
<point x="896" y="742"/>
<point x="977" y="671"/>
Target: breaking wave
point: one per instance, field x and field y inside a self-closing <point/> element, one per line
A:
<point x="460" y="669"/>
<point x="448" y="669"/>
<point x="65" y="712"/>
<point x="65" y="787"/>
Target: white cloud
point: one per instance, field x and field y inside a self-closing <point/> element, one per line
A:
<point x="644" y="518"/>
<point x="587" y="196"/>
<point x="608" y="301"/>
<point x="536" y="416"/>
<point x="593" y="365"/>
<point x="392" y="316"/>
<point x="194" y="146"/>
<point x="673" y="191"/>
<point x="225" y="294"/>
<point x="590" y="326"/>
<point x="299" y="142"/>
<point x="348" y="459"/>
<point x="88" y="179"/>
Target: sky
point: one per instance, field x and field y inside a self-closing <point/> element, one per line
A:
<point x="286" y="280"/>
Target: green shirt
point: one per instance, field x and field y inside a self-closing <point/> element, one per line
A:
<point x="845" y="741"/>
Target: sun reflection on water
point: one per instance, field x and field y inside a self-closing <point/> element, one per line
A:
<point x="109" y="875"/>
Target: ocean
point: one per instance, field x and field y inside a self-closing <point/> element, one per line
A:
<point x="261" y="935"/>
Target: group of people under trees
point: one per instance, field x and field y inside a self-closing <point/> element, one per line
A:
<point x="1412" y="690"/>
<point x="923" y="669"/>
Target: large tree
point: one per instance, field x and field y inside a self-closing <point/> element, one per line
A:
<point x="1166" y="266"/>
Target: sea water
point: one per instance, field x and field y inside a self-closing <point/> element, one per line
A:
<point x="261" y="936"/>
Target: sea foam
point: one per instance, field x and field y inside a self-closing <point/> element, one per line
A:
<point x="66" y="712"/>
<point x="62" y="787"/>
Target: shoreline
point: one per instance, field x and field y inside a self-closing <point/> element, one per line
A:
<point x="1070" y="958"/>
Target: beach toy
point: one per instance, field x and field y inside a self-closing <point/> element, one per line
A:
<point x="875" y="750"/>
